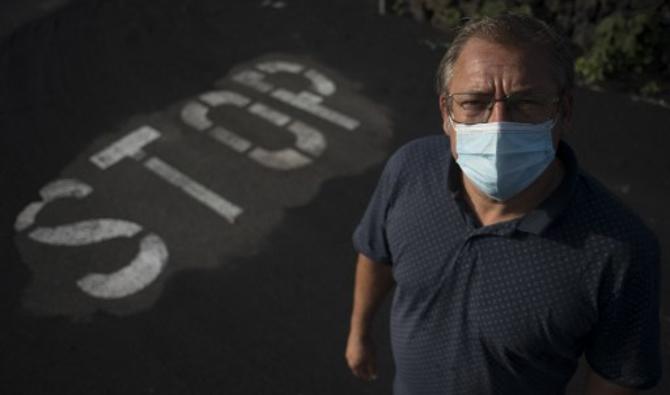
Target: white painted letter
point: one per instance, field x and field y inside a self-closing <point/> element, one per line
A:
<point x="142" y="271"/>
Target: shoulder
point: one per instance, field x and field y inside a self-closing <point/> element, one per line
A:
<point x="608" y="217"/>
<point x="417" y="153"/>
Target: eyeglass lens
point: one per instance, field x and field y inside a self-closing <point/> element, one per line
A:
<point x="477" y="108"/>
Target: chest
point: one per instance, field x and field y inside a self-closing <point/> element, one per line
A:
<point x="514" y="294"/>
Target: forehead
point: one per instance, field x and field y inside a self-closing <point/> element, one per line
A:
<point x="487" y="66"/>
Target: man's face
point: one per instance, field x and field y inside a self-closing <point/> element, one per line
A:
<point x="497" y="69"/>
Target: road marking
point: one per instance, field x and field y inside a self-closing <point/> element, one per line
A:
<point x="131" y="146"/>
<point x="54" y="190"/>
<point x="280" y="66"/>
<point x="230" y="139"/>
<point x="310" y="97"/>
<point x="65" y="188"/>
<point x="124" y="147"/>
<point x="27" y="216"/>
<point x="151" y="255"/>
<point x="139" y="155"/>
<point x="284" y="159"/>
<point x="304" y="103"/>
<point x="320" y="83"/>
<point x="85" y="232"/>
<point x="142" y="271"/>
<point x="199" y="192"/>
<point x="254" y="79"/>
<point x="273" y="116"/>
<point x="218" y="98"/>
<point x="309" y="139"/>
<point x="195" y="115"/>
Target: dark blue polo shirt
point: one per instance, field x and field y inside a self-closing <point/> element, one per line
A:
<point x="509" y="308"/>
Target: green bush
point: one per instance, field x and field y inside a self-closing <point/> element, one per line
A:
<point x="616" y="41"/>
<point x="620" y="45"/>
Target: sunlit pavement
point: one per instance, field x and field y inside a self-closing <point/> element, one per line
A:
<point x="182" y="178"/>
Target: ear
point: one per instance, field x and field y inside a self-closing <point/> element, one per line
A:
<point x="444" y="112"/>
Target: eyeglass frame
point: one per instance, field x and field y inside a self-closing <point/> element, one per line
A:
<point x="556" y="100"/>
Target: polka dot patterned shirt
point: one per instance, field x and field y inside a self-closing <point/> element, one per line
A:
<point x="509" y="308"/>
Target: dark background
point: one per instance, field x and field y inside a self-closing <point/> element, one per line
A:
<point x="274" y="318"/>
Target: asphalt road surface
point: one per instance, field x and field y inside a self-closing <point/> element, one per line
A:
<point x="181" y="180"/>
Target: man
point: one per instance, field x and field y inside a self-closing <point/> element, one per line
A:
<point x="509" y="261"/>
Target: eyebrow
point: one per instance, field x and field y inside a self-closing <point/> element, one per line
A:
<point x="526" y="91"/>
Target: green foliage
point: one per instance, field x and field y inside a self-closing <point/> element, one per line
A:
<point x="400" y="7"/>
<point x="619" y="41"/>
<point x="445" y="15"/>
<point x="493" y="8"/>
<point x="650" y="88"/>
<point x="497" y="7"/>
<point x="620" y="45"/>
<point x="448" y="18"/>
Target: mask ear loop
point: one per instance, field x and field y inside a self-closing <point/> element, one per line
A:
<point x="451" y="120"/>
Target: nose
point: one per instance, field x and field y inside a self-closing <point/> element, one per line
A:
<point x="499" y="112"/>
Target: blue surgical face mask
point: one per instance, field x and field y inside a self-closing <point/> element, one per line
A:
<point x="503" y="158"/>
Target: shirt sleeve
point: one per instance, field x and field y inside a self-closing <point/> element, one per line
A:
<point x="370" y="235"/>
<point x="624" y="346"/>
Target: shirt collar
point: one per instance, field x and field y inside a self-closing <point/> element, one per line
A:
<point x="543" y="215"/>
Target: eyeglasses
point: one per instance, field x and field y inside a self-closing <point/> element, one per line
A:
<point x="470" y="108"/>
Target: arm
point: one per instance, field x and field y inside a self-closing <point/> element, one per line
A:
<point x="596" y="385"/>
<point x="625" y="342"/>
<point x="373" y="281"/>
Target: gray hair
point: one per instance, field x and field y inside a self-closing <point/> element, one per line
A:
<point x="516" y="30"/>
